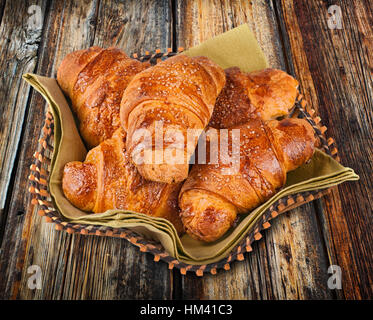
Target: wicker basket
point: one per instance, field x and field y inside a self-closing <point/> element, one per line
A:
<point x="40" y="170"/>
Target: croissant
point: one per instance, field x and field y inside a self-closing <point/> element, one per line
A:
<point x="159" y="106"/>
<point x="108" y="180"/>
<point x="266" y="94"/>
<point x="94" y="80"/>
<point x="214" y="194"/>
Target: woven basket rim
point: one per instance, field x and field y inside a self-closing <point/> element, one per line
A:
<point x="39" y="177"/>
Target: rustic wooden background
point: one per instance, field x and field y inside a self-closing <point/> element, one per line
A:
<point x="334" y="67"/>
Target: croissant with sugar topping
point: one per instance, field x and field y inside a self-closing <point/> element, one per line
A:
<point x="108" y="180"/>
<point x="266" y="94"/>
<point x="94" y="79"/>
<point x="168" y="99"/>
<point x="215" y="193"/>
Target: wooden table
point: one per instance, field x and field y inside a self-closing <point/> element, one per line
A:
<point x="334" y="67"/>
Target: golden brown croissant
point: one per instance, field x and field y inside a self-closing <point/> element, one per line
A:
<point x="265" y="94"/>
<point x="94" y="80"/>
<point x="166" y="100"/>
<point x="108" y="180"/>
<point x="211" y="198"/>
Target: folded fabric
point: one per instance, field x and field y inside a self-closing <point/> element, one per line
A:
<point x="236" y="47"/>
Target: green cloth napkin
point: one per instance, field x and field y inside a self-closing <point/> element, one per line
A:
<point x="234" y="48"/>
<point x="237" y="47"/>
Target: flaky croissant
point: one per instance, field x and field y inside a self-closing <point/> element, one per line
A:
<point x="265" y="94"/>
<point x="166" y="100"/>
<point x="214" y="194"/>
<point x="94" y="80"/>
<point x="108" y="180"/>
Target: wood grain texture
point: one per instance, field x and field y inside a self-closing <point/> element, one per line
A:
<point x="197" y="21"/>
<point x="19" y="54"/>
<point x="18" y="249"/>
<point x="335" y="71"/>
<point x="134" y="26"/>
<point x="290" y="262"/>
<point x="19" y="43"/>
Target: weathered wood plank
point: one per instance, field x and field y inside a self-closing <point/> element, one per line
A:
<point x="288" y="263"/>
<point x="21" y="245"/>
<point x="2" y="7"/>
<point x="334" y="67"/>
<point x="134" y="26"/>
<point x="19" y="45"/>
<point x="19" y="42"/>
<point x="298" y="265"/>
<point x="75" y="266"/>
